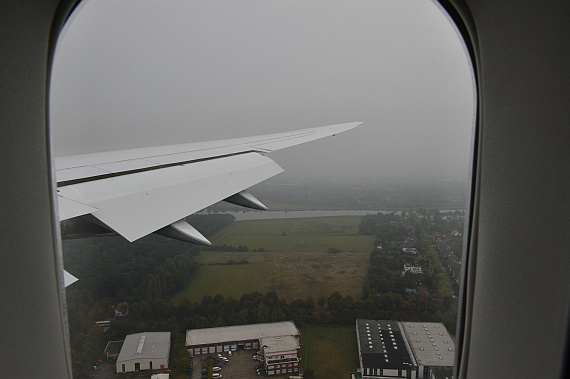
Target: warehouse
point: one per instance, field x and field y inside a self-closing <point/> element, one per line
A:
<point x="432" y="346"/>
<point x="144" y="351"/>
<point x="280" y="355"/>
<point x="384" y="351"/>
<point x="232" y="338"/>
<point x="414" y="350"/>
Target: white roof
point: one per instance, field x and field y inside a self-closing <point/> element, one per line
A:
<point x="274" y="345"/>
<point x="430" y="342"/>
<point x="212" y="336"/>
<point x="145" y="345"/>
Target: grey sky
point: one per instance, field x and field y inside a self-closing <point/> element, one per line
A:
<point x="134" y="73"/>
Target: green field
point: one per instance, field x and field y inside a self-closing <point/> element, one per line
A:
<point x="291" y="275"/>
<point x="228" y="281"/>
<point x="296" y="262"/>
<point x="330" y="352"/>
<point x="297" y="235"/>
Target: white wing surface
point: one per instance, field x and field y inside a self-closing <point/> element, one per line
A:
<point x="140" y="191"/>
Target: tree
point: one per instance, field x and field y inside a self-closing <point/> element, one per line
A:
<point x="182" y="365"/>
<point x="210" y="363"/>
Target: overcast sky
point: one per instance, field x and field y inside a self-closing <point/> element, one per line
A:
<point x="134" y="73"/>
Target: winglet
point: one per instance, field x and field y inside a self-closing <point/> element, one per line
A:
<point x="246" y="199"/>
<point x="183" y="231"/>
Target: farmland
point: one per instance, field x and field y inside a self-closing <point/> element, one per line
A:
<point x="297" y="235"/>
<point x="295" y="264"/>
<point x="225" y="280"/>
<point x="291" y="275"/>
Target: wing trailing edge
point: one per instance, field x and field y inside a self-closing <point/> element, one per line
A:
<point x="141" y="191"/>
<point x="138" y="204"/>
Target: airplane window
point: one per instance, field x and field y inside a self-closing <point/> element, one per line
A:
<point x="139" y="73"/>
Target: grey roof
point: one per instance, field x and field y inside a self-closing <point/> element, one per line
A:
<point x="431" y="343"/>
<point x="274" y="345"/>
<point x="223" y="334"/>
<point x="145" y="345"/>
<point x="381" y="345"/>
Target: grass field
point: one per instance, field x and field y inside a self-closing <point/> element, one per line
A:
<point x="295" y="265"/>
<point x="297" y="235"/>
<point x="291" y="275"/>
<point x="228" y="281"/>
<point x="330" y="352"/>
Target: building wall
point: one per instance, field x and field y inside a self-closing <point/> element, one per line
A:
<point x="370" y="373"/>
<point x="223" y="347"/>
<point x="145" y="364"/>
<point x="281" y="363"/>
<point x="282" y="368"/>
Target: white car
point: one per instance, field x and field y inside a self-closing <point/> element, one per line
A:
<point x="223" y="358"/>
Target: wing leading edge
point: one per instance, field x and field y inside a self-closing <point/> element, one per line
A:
<point x="141" y="191"/>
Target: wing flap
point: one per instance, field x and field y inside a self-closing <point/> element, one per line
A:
<point x="138" y="204"/>
<point x="69" y="208"/>
<point x="68" y="279"/>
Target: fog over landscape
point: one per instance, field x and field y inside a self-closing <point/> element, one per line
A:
<point x="139" y="73"/>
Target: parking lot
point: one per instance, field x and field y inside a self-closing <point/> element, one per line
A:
<point x="239" y="366"/>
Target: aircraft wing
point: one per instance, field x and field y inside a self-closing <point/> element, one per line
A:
<point x="140" y="191"/>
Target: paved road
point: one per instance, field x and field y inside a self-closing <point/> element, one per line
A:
<point x="105" y="370"/>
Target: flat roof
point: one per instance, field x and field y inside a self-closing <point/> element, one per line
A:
<point x="274" y="345"/>
<point x="145" y="345"/>
<point x="210" y="336"/>
<point x="431" y="343"/>
<point x="381" y="344"/>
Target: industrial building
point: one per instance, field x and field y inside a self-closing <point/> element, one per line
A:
<point x="383" y="350"/>
<point x="411" y="350"/>
<point x="276" y="343"/>
<point x="231" y="338"/>
<point x="144" y="351"/>
<point x="279" y="355"/>
<point x="432" y="346"/>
